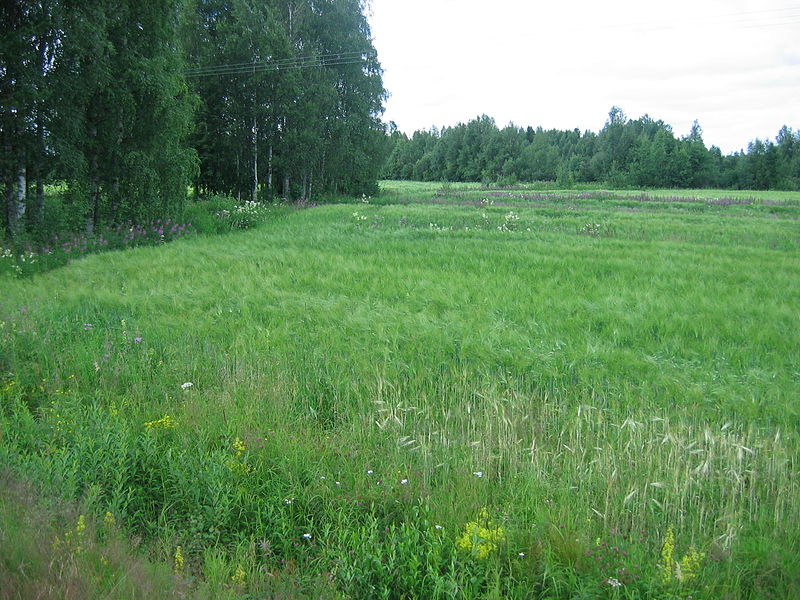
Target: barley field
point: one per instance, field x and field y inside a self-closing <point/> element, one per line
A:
<point x="445" y="391"/>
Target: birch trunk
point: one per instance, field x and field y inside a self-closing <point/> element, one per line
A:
<point x="8" y="190"/>
<point x="94" y="186"/>
<point x="19" y="205"/>
<point x="94" y="200"/>
<point x="15" y="200"/>
<point x="255" y="160"/>
<point x="9" y="202"/>
<point x="269" y="170"/>
<point x="36" y="211"/>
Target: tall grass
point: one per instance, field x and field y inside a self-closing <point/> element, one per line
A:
<point x="366" y="379"/>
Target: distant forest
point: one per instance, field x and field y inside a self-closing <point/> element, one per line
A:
<point x="126" y="104"/>
<point x="626" y="152"/>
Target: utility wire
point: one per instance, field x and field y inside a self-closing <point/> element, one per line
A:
<point x="302" y="62"/>
<point x="266" y="68"/>
<point x="261" y="67"/>
<point x="276" y="64"/>
<point x="271" y="61"/>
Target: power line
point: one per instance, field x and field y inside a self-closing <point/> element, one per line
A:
<point x="267" y="68"/>
<point x="271" y="61"/>
<point x="302" y="62"/>
<point x="277" y="63"/>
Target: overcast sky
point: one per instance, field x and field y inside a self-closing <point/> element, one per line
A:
<point x="734" y="65"/>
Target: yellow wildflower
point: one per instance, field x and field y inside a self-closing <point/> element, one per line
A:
<point x="178" y="559"/>
<point x="685" y="570"/>
<point x="481" y="537"/>
<point x="690" y="564"/>
<point x="239" y="447"/>
<point x="80" y="526"/>
<point x="165" y="422"/>
<point x="240" y="576"/>
<point x="239" y="467"/>
<point x="668" y="555"/>
<point x="73" y="539"/>
<point x="109" y="519"/>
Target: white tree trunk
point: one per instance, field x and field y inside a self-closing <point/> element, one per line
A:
<point x="269" y="170"/>
<point x="255" y="160"/>
<point x="18" y="210"/>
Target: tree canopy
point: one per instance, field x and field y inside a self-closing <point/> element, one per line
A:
<point x="639" y="152"/>
<point x="129" y="103"/>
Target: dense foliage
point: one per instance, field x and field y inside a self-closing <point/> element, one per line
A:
<point x="128" y="103"/>
<point x="626" y="152"/>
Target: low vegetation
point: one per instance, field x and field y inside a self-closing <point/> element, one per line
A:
<point x="440" y="392"/>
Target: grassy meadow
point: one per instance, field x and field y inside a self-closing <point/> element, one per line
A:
<point x="446" y="391"/>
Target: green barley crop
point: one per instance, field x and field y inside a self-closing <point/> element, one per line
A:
<point x="321" y="406"/>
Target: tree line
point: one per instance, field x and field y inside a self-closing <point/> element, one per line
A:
<point x="626" y="152"/>
<point x="126" y="104"/>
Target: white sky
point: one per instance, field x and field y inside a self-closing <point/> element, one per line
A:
<point x="734" y="65"/>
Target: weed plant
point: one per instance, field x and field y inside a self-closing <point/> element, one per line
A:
<point x="433" y="401"/>
<point x="215" y="215"/>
